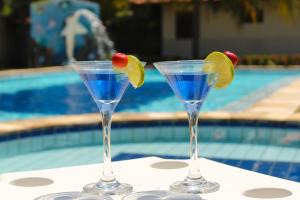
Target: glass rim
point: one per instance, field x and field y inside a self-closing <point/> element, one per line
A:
<point x="93" y="66"/>
<point x="96" y="62"/>
<point x="88" y="62"/>
<point x="96" y="65"/>
<point x="176" y="62"/>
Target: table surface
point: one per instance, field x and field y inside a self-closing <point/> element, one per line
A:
<point x="152" y="174"/>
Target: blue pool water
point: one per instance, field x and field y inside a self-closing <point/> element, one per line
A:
<point x="39" y="95"/>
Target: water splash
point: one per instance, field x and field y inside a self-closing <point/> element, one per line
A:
<point x="105" y="46"/>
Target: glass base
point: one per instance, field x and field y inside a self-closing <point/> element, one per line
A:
<point x="194" y="186"/>
<point x="108" y="188"/>
<point x="160" y="195"/>
<point x="71" y="196"/>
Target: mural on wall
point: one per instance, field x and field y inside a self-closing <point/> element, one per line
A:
<point x="48" y="22"/>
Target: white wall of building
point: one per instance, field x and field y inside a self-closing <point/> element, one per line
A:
<point x="220" y="31"/>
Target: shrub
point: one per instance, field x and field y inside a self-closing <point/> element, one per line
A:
<point x="283" y="60"/>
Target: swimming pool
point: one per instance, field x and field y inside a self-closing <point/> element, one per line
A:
<point x="59" y="93"/>
<point x="262" y="148"/>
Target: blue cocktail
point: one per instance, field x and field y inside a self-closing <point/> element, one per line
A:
<point x="107" y="88"/>
<point x="191" y="80"/>
<point x="189" y="87"/>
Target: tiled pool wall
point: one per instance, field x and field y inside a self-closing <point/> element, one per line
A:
<point x="264" y="133"/>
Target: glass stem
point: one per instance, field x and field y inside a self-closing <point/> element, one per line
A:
<point x="194" y="172"/>
<point x="107" y="173"/>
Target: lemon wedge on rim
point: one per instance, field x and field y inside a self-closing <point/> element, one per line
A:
<point x="135" y="71"/>
<point x="222" y="66"/>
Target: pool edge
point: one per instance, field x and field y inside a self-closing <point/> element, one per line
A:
<point x="19" y="126"/>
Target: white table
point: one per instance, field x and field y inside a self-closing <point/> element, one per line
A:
<point x="143" y="176"/>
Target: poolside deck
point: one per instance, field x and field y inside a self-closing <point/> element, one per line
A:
<point x="283" y="104"/>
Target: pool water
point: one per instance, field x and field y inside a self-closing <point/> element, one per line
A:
<point x="59" y="93"/>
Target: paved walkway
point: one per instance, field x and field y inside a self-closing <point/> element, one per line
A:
<point x="282" y="104"/>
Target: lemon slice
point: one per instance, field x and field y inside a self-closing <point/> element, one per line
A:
<point x="135" y="71"/>
<point x="222" y="66"/>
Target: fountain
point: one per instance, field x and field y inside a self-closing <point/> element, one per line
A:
<point x="73" y="27"/>
<point x="61" y="30"/>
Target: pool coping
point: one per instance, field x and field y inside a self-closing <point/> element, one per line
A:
<point x="30" y="125"/>
<point x="25" y="71"/>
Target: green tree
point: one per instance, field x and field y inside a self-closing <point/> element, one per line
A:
<point x="287" y="9"/>
<point x="8" y="7"/>
<point x="112" y="10"/>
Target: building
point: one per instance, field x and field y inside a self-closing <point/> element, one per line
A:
<point x="270" y="34"/>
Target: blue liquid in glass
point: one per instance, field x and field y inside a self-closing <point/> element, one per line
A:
<point x="190" y="87"/>
<point x="105" y="86"/>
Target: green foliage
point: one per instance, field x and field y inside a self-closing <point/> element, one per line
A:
<point x="112" y="10"/>
<point x="286" y="8"/>
<point x="8" y="7"/>
<point x="271" y="60"/>
<point x="6" y="10"/>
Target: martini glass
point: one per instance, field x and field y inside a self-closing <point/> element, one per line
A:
<point x="107" y="87"/>
<point x="191" y="81"/>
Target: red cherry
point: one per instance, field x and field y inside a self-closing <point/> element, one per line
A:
<point x="119" y="60"/>
<point x="234" y="59"/>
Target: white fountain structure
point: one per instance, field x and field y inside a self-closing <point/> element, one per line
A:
<point x="73" y="27"/>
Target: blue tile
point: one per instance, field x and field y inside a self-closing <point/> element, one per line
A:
<point x="280" y="170"/>
<point x="280" y="173"/>
<point x="234" y="134"/>
<point x="181" y="134"/>
<point x="294" y="178"/>
<point x="263" y="170"/>
<point x="25" y="145"/>
<point x="168" y="134"/>
<point x="262" y="136"/>
<point x="84" y="139"/>
<point x="3" y="138"/>
<point x="232" y="162"/>
<point x="12" y="148"/>
<point x="263" y="166"/>
<point x="126" y="156"/>
<point x="218" y="160"/>
<point x="219" y="134"/>
<point x="247" y="164"/>
<point x="295" y="167"/>
<point x="294" y="173"/>
<point x="281" y="166"/>
<point x="3" y="149"/>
